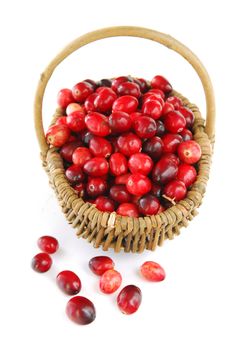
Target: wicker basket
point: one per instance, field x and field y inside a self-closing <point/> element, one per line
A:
<point x="109" y="229"/>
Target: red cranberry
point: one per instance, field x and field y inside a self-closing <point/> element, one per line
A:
<point x="41" y="262"/>
<point x="165" y="170"/>
<point x="81" y="310"/>
<point x="75" y="107"/>
<point x="97" y="124"/>
<point x="186" y="134"/>
<point x="175" y="101"/>
<point x="128" y="209"/>
<point x="138" y="184"/>
<point x="127" y="103"/>
<point x="128" y="88"/>
<point x="171" y="142"/>
<point x="187" y="174"/>
<point x="153" y="147"/>
<point x="152" y="271"/>
<point x="64" y="98"/>
<point x="72" y="138"/>
<point x="175" y="190"/>
<point x="92" y="83"/>
<point x="61" y="121"/>
<point x="148" y="205"/>
<point x="159" y="82"/>
<point x="140" y="163"/>
<point x="120" y="122"/>
<point x="129" y="299"/>
<point x="135" y="115"/>
<point x="119" y="194"/>
<point x="90" y="102"/>
<point x="81" y="155"/>
<point x="48" y="244"/>
<point x="156" y="190"/>
<point x="117" y="81"/>
<point x="153" y="108"/>
<point x="122" y="179"/>
<point x="100" y="264"/>
<point x="157" y="92"/>
<point x="110" y="281"/>
<point x="96" y="186"/>
<point x="74" y="174"/>
<point x="68" y="282"/>
<point x="105" y="99"/>
<point x="142" y="83"/>
<point x="86" y="136"/>
<point x="104" y="203"/>
<point x="174" y="122"/>
<point x="100" y="147"/>
<point x="129" y="144"/>
<point x="57" y="135"/>
<point x="189" y="116"/>
<point x="96" y="167"/>
<point x="76" y="121"/>
<point x="160" y="128"/>
<point x="81" y="91"/>
<point x="168" y="107"/>
<point x="118" y="164"/>
<point x="105" y="83"/>
<point x="145" y="127"/>
<point x="80" y="188"/>
<point x="189" y="152"/>
<point x="68" y="149"/>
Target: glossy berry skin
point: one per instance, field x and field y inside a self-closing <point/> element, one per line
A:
<point x="119" y="122"/>
<point x="168" y="107"/>
<point x="138" y="184"/>
<point x="120" y="194"/>
<point x="97" y="124"/>
<point x="74" y="174"/>
<point x="64" y="98"/>
<point x="100" y="147"/>
<point x="129" y="88"/>
<point x="154" y="97"/>
<point x="57" y="135"/>
<point x="100" y="264"/>
<point x="48" y="244"/>
<point x="75" y="107"/>
<point x="129" y="144"/>
<point x="96" y="186"/>
<point x="90" y="102"/>
<point x="144" y="127"/>
<point x="61" y="121"/>
<point x="81" y="155"/>
<point x="187" y="174"/>
<point x="165" y="170"/>
<point x="81" y="91"/>
<point x="129" y="299"/>
<point x="110" y="281"/>
<point x="154" y="92"/>
<point x="105" y="99"/>
<point x="128" y="209"/>
<point x="81" y="310"/>
<point x="121" y="179"/>
<point x="76" y="121"/>
<point x="96" y="167"/>
<point x="127" y="104"/>
<point x="174" y="122"/>
<point x="67" y="150"/>
<point x="148" y="205"/>
<point x="68" y="282"/>
<point x="117" y="81"/>
<point x="175" y="101"/>
<point x="153" y="108"/>
<point x="118" y="164"/>
<point x="142" y="83"/>
<point x="86" y="136"/>
<point x="171" y="142"/>
<point x="154" y="147"/>
<point x="159" y="82"/>
<point x="80" y="189"/>
<point x="92" y="83"/>
<point x="140" y="163"/>
<point x="105" y="83"/>
<point x="135" y="115"/>
<point x="189" y="116"/>
<point x="175" y="190"/>
<point x="189" y="152"/>
<point x="186" y="135"/>
<point x="104" y="203"/>
<point x="156" y="190"/>
<point x="160" y="128"/>
<point x="41" y="262"/>
<point x="152" y="271"/>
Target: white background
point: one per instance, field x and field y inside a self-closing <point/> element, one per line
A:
<point x="201" y="304"/>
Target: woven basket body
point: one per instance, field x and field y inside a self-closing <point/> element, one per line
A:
<point x="109" y="229"/>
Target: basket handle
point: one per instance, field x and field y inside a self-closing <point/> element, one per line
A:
<point x="140" y="32"/>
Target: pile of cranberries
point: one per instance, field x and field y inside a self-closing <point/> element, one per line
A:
<point x="126" y="144"/>
<point x="80" y="309"/>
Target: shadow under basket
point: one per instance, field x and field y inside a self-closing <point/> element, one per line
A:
<point x="111" y="230"/>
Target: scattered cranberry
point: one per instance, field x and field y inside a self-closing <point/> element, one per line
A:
<point x="105" y="99"/>
<point x="41" y="262"/>
<point x="81" y="91"/>
<point x="48" y="244"/>
<point x="140" y="163"/>
<point x="81" y="310"/>
<point x="90" y="102"/>
<point x="96" y="167"/>
<point x="175" y="101"/>
<point x="100" y="147"/>
<point x="101" y="264"/>
<point x="129" y="144"/>
<point x="171" y="142"/>
<point x="74" y="174"/>
<point x="96" y="186"/>
<point x="118" y="164"/>
<point x="76" y="121"/>
<point x="144" y="127"/>
<point x="120" y="122"/>
<point x="189" y="152"/>
<point x="152" y="271"/>
<point x="129" y="299"/>
<point x="120" y="194"/>
<point x="64" y="98"/>
<point x="57" y="135"/>
<point x="128" y="209"/>
<point x="175" y="190"/>
<point x="153" y="108"/>
<point x="68" y="282"/>
<point x="97" y="124"/>
<point x="104" y="203"/>
<point x="110" y="281"/>
<point x="165" y="170"/>
<point x="187" y="174"/>
<point x="186" y="134"/>
<point x="148" y="205"/>
<point x="174" y="122"/>
<point x="189" y="116"/>
<point x="81" y="155"/>
<point x="153" y="147"/>
<point x="129" y="88"/>
<point x="138" y="184"/>
<point x="159" y="82"/>
<point x="127" y="103"/>
<point x="68" y="149"/>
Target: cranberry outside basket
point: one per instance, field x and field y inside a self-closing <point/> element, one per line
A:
<point x="110" y="230"/>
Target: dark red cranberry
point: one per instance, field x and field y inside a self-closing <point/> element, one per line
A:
<point x="153" y="147"/>
<point x="128" y="209"/>
<point x="67" y="150"/>
<point x="189" y="116"/>
<point x="96" y="186"/>
<point x="81" y="91"/>
<point x="86" y="136"/>
<point x="160" y="128"/>
<point x="164" y="170"/>
<point x="120" y="194"/>
<point x="138" y="184"/>
<point x="148" y="205"/>
<point x="168" y="107"/>
<point x="96" y="167"/>
<point x="105" y="82"/>
<point x="122" y="179"/>
<point x="159" y="82"/>
<point x="174" y="122"/>
<point x="117" y="81"/>
<point x="157" y="92"/>
<point x="127" y="103"/>
<point x="110" y="281"/>
<point x="41" y="262"/>
<point x="104" y="203"/>
<point x="152" y="271"/>
<point x="64" y="98"/>
<point x="68" y="282"/>
<point x="81" y="310"/>
<point x="92" y="83"/>
<point x="128" y="88"/>
<point x="105" y="99"/>
<point x="153" y="108"/>
<point x="76" y="121"/>
<point x="89" y="102"/>
<point x="118" y="164"/>
<point x="140" y="163"/>
<point x="97" y="124"/>
<point x="74" y="174"/>
<point x="189" y="152"/>
<point x="175" y="101"/>
<point x="156" y="190"/>
<point x="81" y="155"/>
<point x="80" y="188"/>
<point x="187" y="174"/>
<point x="144" y="127"/>
<point x="129" y="144"/>
<point x="142" y="83"/>
<point x="119" y="122"/>
<point x="129" y="299"/>
<point x="100" y="147"/>
<point x="186" y="134"/>
<point x="171" y="142"/>
<point x="48" y="244"/>
<point x="175" y="190"/>
<point x="100" y="264"/>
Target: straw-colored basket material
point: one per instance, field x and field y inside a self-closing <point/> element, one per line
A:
<point x="109" y="229"/>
